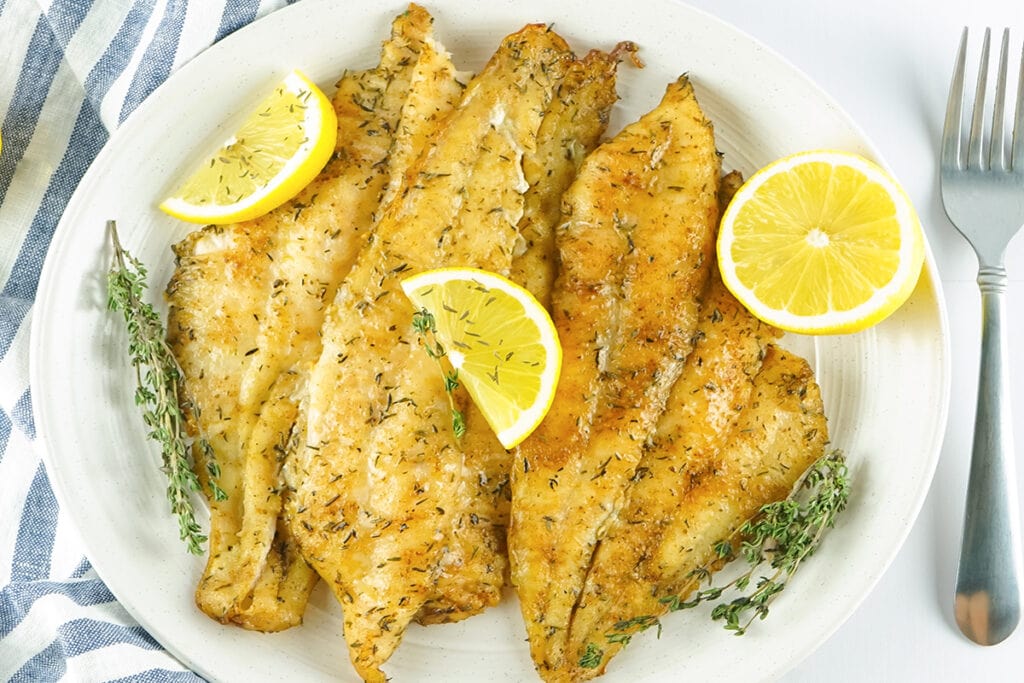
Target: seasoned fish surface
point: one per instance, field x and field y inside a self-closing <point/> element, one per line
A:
<point x="700" y="418"/>
<point x="380" y="111"/>
<point x="210" y="328"/>
<point x="572" y="127"/>
<point x="376" y="480"/>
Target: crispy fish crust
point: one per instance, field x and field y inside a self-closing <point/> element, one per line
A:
<point x="572" y="127"/>
<point x="635" y="249"/>
<point x="387" y="111"/>
<point x="376" y="479"/>
<point x="294" y="259"/>
<point x="688" y="500"/>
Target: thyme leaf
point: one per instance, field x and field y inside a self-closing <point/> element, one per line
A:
<point x="458" y="420"/>
<point x="157" y="375"/>
<point x="773" y="544"/>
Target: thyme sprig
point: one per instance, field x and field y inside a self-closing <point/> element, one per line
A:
<point x="426" y="326"/>
<point x="157" y="374"/>
<point x="773" y="543"/>
<point x="779" y="537"/>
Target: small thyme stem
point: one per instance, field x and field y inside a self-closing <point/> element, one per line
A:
<point x="212" y="471"/>
<point x="425" y="325"/>
<point x="157" y="376"/>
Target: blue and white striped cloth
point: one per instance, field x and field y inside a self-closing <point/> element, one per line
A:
<point x="72" y="71"/>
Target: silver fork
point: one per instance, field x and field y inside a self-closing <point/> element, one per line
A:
<point x="983" y="194"/>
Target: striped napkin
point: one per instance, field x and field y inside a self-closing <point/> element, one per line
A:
<point x="72" y="71"/>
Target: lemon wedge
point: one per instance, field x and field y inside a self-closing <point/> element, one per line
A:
<point x="282" y="145"/>
<point x="821" y="242"/>
<point x="501" y="341"/>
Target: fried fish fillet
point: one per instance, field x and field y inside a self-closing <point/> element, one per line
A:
<point x="689" y="499"/>
<point x="210" y="328"/>
<point x="375" y="480"/>
<point x="573" y="124"/>
<point x="387" y="114"/>
<point x="634" y="249"/>
<point x="699" y="421"/>
<point x="649" y="550"/>
<point x="209" y="325"/>
<point x="300" y="251"/>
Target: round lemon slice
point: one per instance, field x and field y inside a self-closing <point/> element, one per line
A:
<point x="821" y="242"/>
<point x="501" y="341"/>
<point x="282" y="145"/>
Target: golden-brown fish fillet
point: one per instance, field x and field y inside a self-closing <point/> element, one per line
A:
<point x="635" y="249"/>
<point x="301" y="251"/>
<point x="699" y="421"/>
<point x="687" y="501"/>
<point x="384" y="116"/>
<point x="210" y="328"/>
<point x="572" y="127"/>
<point x="377" y="477"/>
<point x="209" y="325"/>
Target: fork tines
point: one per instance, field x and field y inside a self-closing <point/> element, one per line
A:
<point x="1000" y="153"/>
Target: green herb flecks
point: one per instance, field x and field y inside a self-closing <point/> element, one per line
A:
<point x="591" y="659"/>
<point x="157" y="375"/>
<point x="425" y="325"/>
<point x="773" y="543"/>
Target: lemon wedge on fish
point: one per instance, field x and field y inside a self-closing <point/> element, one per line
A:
<point x="499" y="339"/>
<point x="282" y="145"/>
<point x="821" y="242"/>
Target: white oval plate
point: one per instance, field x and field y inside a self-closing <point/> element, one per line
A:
<point x="886" y="390"/>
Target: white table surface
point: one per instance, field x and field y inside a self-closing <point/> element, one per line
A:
<point x="888" y="63"/>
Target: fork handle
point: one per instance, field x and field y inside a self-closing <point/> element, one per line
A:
<point x="988" y="583"/>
